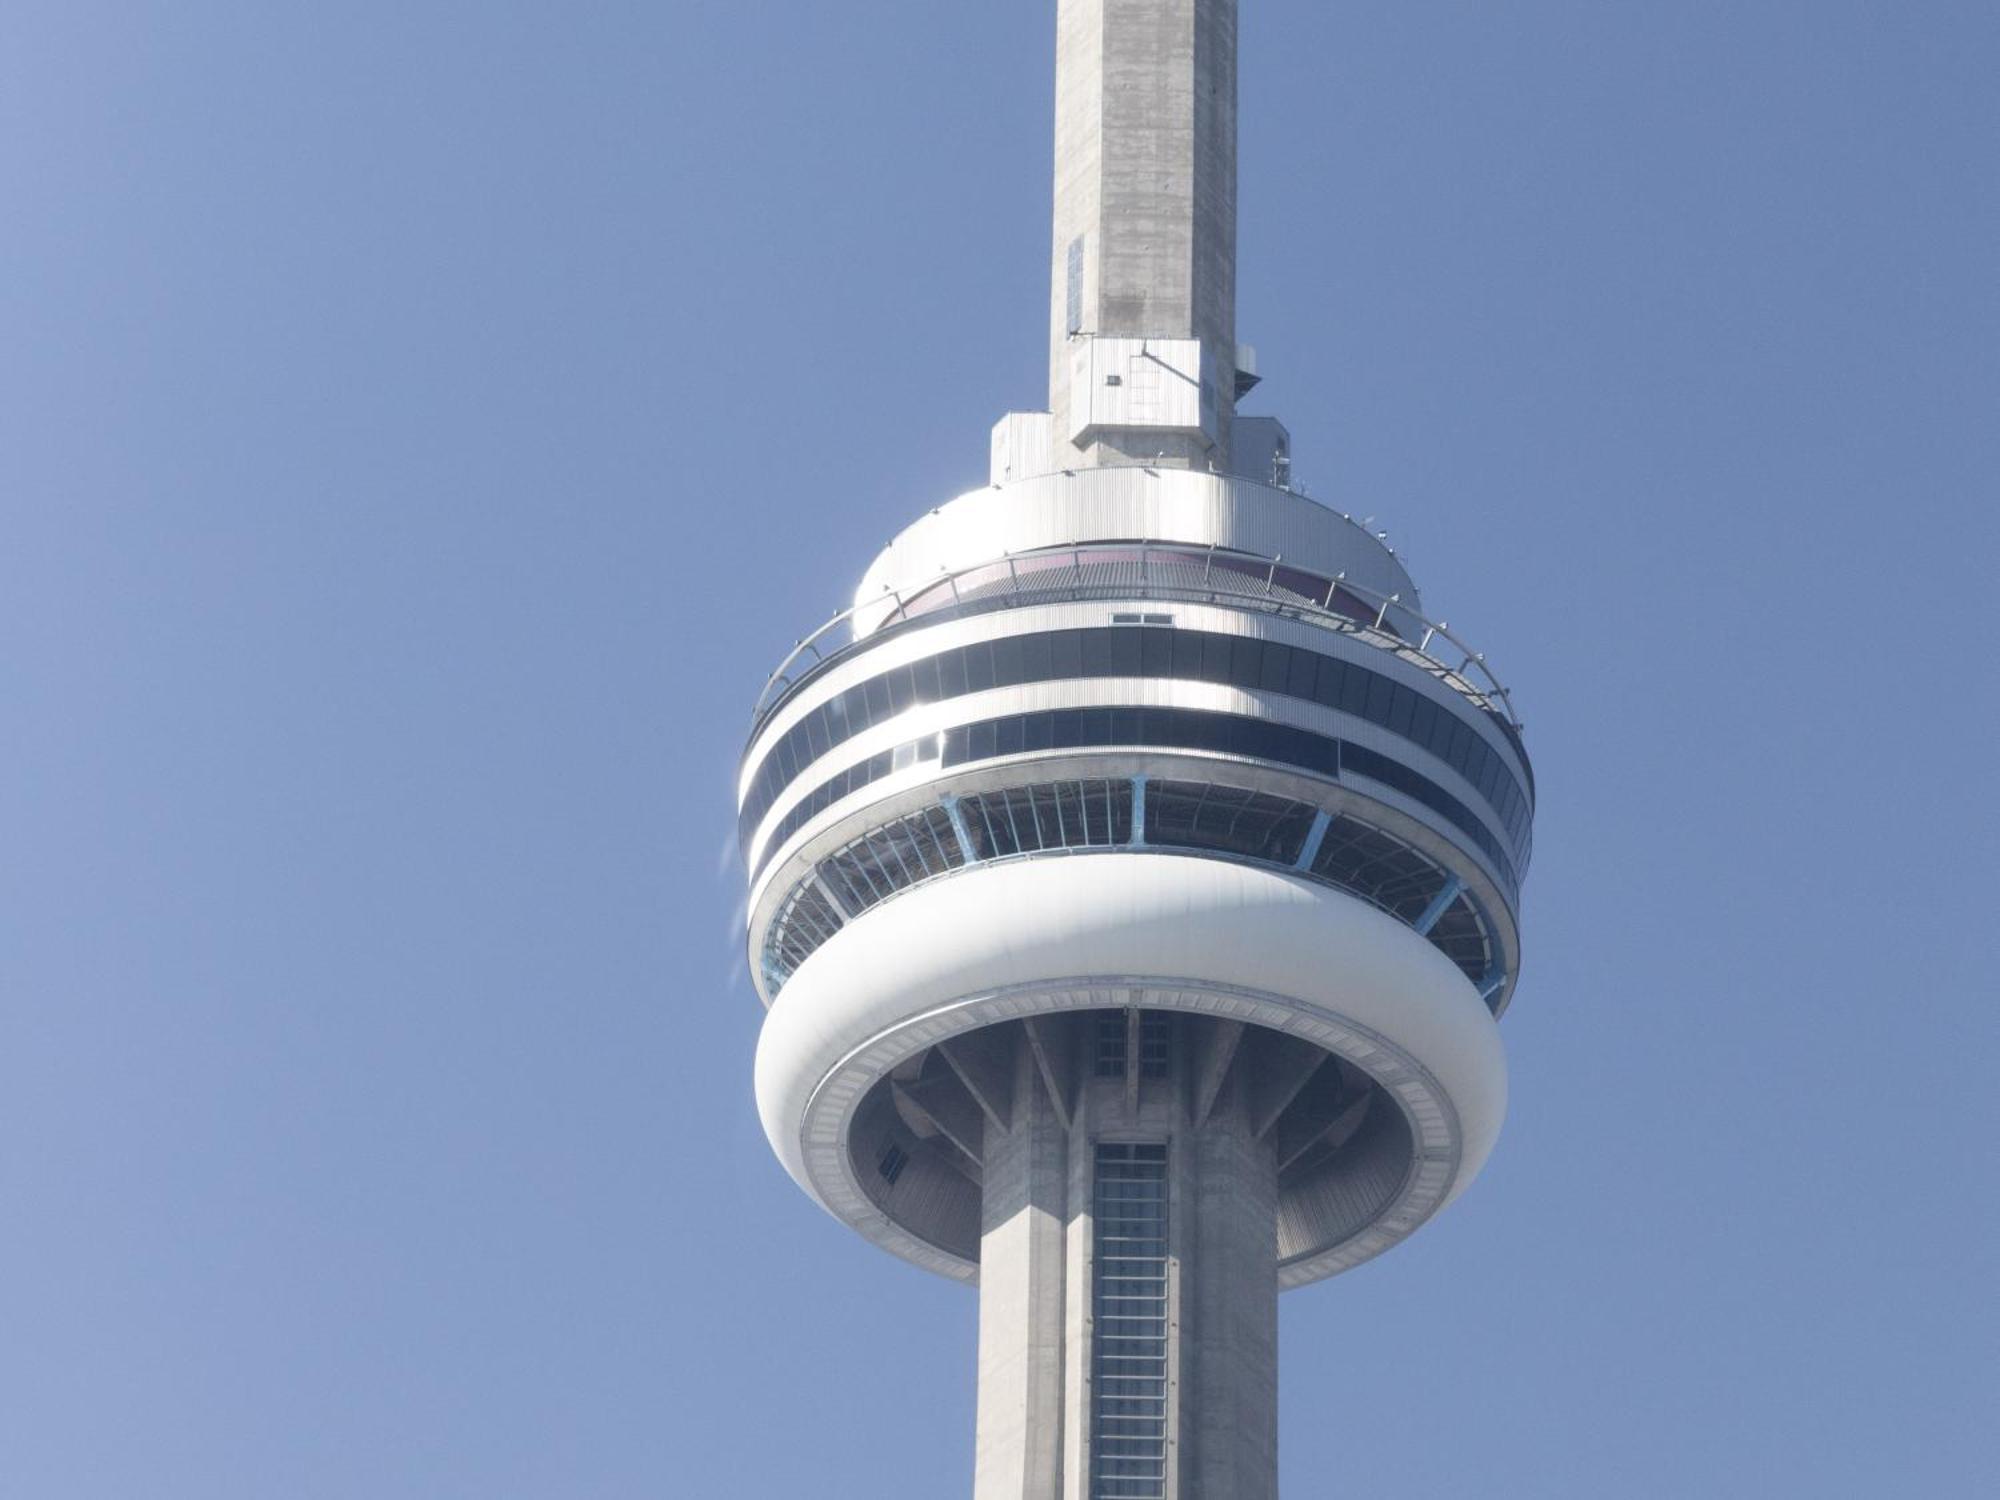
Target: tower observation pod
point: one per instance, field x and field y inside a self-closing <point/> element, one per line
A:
<point x="1135" y="867"/>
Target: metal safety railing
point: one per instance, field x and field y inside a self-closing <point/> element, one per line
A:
<point x="1228" y="577"/>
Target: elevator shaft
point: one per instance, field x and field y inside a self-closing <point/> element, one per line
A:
<point x="1128" y="1272"/>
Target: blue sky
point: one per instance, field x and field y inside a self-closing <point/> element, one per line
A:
<point x="423" y="425"/>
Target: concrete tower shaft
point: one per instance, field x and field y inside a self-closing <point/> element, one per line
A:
<point x="1143" y="313"/>
<point x="1128" y="1301"/>
<point x="1135" y="868"/>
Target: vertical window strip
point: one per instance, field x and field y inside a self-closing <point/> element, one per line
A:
<point x="1128" y="1417"/>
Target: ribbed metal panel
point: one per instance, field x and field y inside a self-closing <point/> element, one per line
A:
<point x="1167" y="505"/>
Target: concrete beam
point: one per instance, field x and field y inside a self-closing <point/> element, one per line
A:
<point x="1224" y="1037"/>
<point x="1285" y="1066"/>
<point x="984" y="1063"/>
<point x="1332" y="1131"/>
<point x="943" y="1104"/>
<point x="1023" y="1296"/>
<point x="1051" y="1041"/>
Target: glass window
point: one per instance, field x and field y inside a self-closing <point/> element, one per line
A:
<point x="1187" y="654"/>
<point x="1066" y="653"/>
<point x="1007" y="664"/>
<point x="1423" y="720"/>
<point x="978" y="667"/>
<point x="1214" y="657"/>
<point x="1328" y="681"/>
<point x="1461" y="935"/>
<point x="1246" y="662"/>
<point x="1056" y="815"/>
<point x="1477" y="758"/>
<point x="1380" y="691"/>
<point x="1038" y="660"/>
<point x="1381" y="870"/>
<point x="1097" y="653"/>
<point x="876" y="691"/>
<point x="1109" y="1053"/>
<point x="1402" y="705"/>
<point x="891" y="859"/>
<point x="1201" y="732"/>
<point x="1439" y="742"/>
<point x="1301" y="680"/>
<point x="1125" y="650"/>
<point x="1354" y="691"/>
<point x="951" y="673"/>
<point x="805" y="921"/>
<point x="1129" y="1305"/>
<point x="1277" y="667"/>
<point x="1464" y="744"/>
<point x="1204" y="816"/>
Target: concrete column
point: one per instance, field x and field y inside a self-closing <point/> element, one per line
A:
<point x="1022" y="1276"/>
<point x="1145" y="198"/>
<point x="1228" y="1182"/>
<point x="1036" y="1282"/>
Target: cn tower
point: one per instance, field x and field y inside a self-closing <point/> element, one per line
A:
<point x="1135" y="867"/>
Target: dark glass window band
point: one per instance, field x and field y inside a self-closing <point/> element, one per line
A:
<point x="1153" y="729"/>
<point x="1148" y="652"/>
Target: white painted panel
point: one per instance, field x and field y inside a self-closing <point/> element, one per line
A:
<point x="941" y="957"/>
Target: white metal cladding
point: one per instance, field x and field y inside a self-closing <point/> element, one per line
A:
<point x="906" y="646"/>
<point x="929" y="719"/>
<point x="912" y="797"/>
<point x="1130" y="504"/>
<point x="1133" y="383"/>
<point x="1232" y="940"/>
